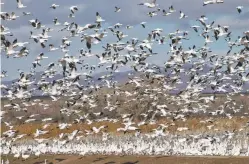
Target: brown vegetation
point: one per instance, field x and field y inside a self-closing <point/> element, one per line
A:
<point x="193" y="124"/>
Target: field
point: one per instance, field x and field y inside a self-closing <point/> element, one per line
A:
<point x="69" y="159"/>
<point x="195" y="122"/>
<point x="188" y="135"/>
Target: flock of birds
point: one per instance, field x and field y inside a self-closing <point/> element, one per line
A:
<point x="197" y="67"/>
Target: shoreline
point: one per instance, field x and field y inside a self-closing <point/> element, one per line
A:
<point x="102" y="159"/>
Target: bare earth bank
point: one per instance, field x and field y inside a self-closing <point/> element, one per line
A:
<point x="98" y="159"/>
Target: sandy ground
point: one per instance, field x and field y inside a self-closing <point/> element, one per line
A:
<point x="98" y="159"/>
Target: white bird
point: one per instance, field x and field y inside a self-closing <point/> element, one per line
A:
<point x="166" y="13"/>
<point x="152" y="14"/>
<point x="212" y="2"/>
<point x="54" y="6"/>
<point x="56" y="22"/>
<point x="26" y="13"/>
<point x="149" y="5"/>
<point x="195" y="27"/>
<point x="182" y="15"/>
<point x="239" y="8"/>
<point x="97" y="130"/>
<point x="143" y="24"/>
<point x="171" y="9"/>
<point x="99" y="18"/>
<point x="25" y="156"/>
<point x="52" y="48"/>
<point x="73" y="9"/>
<point x="19" y="4"/>
<point x="117" y="9"/>
<point x="207" y="39"/>
<point x="20" y="44"/>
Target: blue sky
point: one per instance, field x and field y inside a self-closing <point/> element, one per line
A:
<point x="131" y="14"/>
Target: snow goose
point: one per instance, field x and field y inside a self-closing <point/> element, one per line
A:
<point x="54" y="6"/>
<point x="52" y="48"/>
<point x="143" y="24"/>
<point x="26" y="13"/>
<point x="171" y="9"/>
<point x="149" y="5"/>
<point x="56" y="22"/>
<point x="182" y="15"/>
<point x="117" y="9"/>
<point x="166" y="13"/>
<point x="19" y="4"/>
<point x="73" y="9"/>
<point x="239" y="9"/>
<point x="99" y="18"/>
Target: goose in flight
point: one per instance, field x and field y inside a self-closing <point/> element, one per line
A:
<point x="182" y="15"/>
<point x="19" y="4"/>
<point x="36" y="24"/>
<point x="54" y="6"/>
<point x="99" y="18"/>
<point x="20" y="44"/>
<point x="128" y="27"/>
<point x="41" y="57"/>
<point x="143" y="24"/>
<point x="97" y="130"/>
<point x="22" y="52"/>
<point x="5" y="31"/>
<point x="171" y="9"/>
<point x="207" y="39"/>
<point x="149" y="5"/>
<point x="10" y="47"/>
<point x="56" y="22"/>
<point x="117" y="25"/>
<point x="71" y="15"/>
<point x="52" y="48"/>
<point x="212" y="2"/>
<point x="9" y="17"/>
<point x="152" y="14"/>
<point x="26" y="13"/>
<point x="195" y="27"/>
<point x="89" y="40"/>
<point x="220" y="31"/>
<point x="73" y="9"/>
<point x="117" y="9"/>
<point x="166" y="13"/>
<point x="239" y="9"/>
